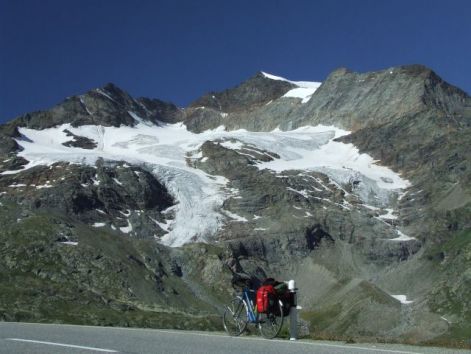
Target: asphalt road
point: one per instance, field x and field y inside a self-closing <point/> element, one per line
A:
<point x="58" y="339"/>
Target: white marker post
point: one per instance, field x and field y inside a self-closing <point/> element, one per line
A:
<point x="293" y="312"/>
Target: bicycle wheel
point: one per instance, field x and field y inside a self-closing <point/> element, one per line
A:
<point x="270" y="323"/>
<point x="235" y="317"/>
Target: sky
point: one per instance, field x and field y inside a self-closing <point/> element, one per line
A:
<point x="178" y="50"/>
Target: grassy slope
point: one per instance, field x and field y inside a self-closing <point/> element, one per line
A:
<point x="106" y="280"/>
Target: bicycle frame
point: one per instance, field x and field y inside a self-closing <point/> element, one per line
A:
<point x="250" y="306"/>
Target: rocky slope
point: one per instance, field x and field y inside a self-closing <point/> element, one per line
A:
<point x="91" y="188"/>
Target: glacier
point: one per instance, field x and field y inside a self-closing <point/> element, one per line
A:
<point x="163" y="149"/>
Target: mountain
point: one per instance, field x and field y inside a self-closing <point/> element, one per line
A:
<point x="132" y="211"/>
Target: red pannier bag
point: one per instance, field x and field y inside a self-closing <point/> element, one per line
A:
<point x="266" y="296"/>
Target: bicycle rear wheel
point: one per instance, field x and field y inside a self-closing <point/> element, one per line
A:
<point x="235" y="317"/>
<point x="270" y="323"/>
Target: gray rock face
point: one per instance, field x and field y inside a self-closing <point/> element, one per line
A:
<point x="256" y="91"/>
<point x="351" y="99"/>
<point x="79" y="141"/>
<point x="106" y="195"/>
<point x="220" y="108"/>
<point x="160" y="111"/>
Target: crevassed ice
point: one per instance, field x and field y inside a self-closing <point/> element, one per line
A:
<point x="164" y="149"/>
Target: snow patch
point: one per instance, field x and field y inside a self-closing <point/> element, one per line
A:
<point x="233" y="216"/>
<point x="297" y="83"/>
<point x="101" y="92"/>
<point x="402" y="299"/>
<point x="402" y="237"/>
<point x="126" y="214"/>
<point x="85" y="106"/>
<point x="126" y="229"/>
<point x="304" y="90"/>
<point x="304" y="93"/>
<point x="389" y="215"/>
<point x="303" y="192"/>
<point x="237" y="145"/>
<point x="17" y="185"/>
<point x="164" y="226"/>
<point x="70" y="243"/>
<point x="117" y="181"/>
<point x="47" y="185"/>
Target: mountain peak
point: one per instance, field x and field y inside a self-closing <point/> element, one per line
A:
<point x="255" y="91"/>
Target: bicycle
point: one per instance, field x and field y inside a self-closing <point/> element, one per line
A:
<point x="242" y="311"/>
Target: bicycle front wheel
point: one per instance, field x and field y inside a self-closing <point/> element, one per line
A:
<point x="270" y="323"/>
<point x="235" y="317"/>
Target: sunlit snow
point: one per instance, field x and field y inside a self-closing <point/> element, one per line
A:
<point x="402" y="237"/>
<point x="402" y="299"/>
<point x="304" y="90"/>
<point x="164" y="150"/>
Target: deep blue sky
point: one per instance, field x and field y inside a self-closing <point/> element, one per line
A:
<point x="178" y="50"/>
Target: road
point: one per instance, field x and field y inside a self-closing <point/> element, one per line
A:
<point x="60" y="339"/>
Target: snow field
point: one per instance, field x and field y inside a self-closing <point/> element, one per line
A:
<point x="163" y="150"/>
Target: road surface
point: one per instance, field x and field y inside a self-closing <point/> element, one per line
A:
<point x="61" y="339"/>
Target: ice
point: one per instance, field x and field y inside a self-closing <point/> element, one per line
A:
<point x="163" y="150"/>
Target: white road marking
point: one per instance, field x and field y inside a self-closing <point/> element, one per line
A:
<point x="62" y="345"/>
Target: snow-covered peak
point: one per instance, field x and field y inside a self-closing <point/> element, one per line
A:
<point x="273" y="77"/>
<point x="303" y="84"/>
<point x="304" y="90"/>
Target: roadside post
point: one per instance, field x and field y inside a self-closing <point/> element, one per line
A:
<point x="293" y="311"/>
